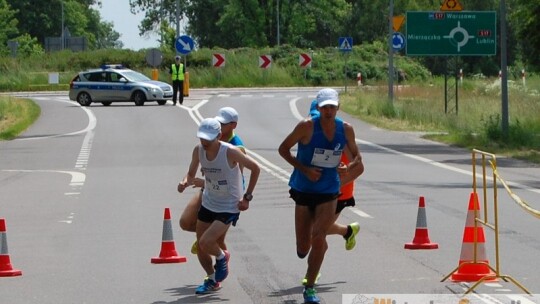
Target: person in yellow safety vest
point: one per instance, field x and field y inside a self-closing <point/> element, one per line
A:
<point x="177" y="72"/>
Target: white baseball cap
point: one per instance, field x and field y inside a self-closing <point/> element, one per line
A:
<point x="209" y="129"/>
<point x="327" y="97"/>
<point x="227" y="115"/>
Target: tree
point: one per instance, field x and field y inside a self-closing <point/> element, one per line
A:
<point x="242" y="24"/>
<point x="28" y="46"/>
<point x="523" y="16"/>
<point x="159" y="14"/>
<point x="41" y="19"/>
<point x="315" y="23"/>
<point x="8" y="25"/>
<point x="199" y="14"/>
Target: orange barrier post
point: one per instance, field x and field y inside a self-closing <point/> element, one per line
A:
<point x="168" y="252"/>
<point x="421" y="237"/>
<point x="155" y="74"/>
<point x="473" y="262"/>
<point x="6" y="270"/>
<point x="186" y="84"/>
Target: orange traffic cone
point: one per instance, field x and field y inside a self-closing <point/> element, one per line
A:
<point x="168" y="252"/>
<point x="421" y="237"/>
<point x="6" y="270"/>
<point x="473" y="268"/>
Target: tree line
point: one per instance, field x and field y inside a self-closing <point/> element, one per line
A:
<point x="260" y="23"/>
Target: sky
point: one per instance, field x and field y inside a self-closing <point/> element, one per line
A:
<point x="126" y="23"/>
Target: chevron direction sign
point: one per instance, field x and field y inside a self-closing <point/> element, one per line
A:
<point x="265" y="61"/>
<point x="218" y="60"/>
<point x="304" y="60"/>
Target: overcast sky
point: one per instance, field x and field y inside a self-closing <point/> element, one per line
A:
<point x="126" y="23"/>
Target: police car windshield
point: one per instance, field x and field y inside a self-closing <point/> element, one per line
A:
<point x="135" y="76"/>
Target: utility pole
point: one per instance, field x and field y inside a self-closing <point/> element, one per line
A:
<point x="177" y="18"/>
<point x="277" y="14"/>
<point x="161" y="24"/>
<point x="504" y="71"/>
<point x="62" y="32"/>
<point x="390" y="54"/>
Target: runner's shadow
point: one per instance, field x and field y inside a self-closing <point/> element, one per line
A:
<point x="186" y="295"/>
<point x="297" y="292"/>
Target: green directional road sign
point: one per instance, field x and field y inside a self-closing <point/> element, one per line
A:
<point x="451" y="33"/>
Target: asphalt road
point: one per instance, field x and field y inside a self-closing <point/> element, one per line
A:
<point x="83" y="193"/>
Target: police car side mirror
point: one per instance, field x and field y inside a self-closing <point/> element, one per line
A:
<point x="122" y="79"/>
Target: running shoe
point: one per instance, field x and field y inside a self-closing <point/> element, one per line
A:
<point x="350" y="242"/>
<point x="195" y="247"/>
<point x="222" y="267"/>
<point x="207" y="286"/>
<point x="310" y="296"/>
<point x="304" y="281"/>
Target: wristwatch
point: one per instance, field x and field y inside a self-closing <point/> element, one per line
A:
<point x="248" y="197"/>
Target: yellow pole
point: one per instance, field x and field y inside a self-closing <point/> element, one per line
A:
<point x="186" y="84"/>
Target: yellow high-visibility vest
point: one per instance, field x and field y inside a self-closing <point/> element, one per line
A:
<point x="177" y="74"/>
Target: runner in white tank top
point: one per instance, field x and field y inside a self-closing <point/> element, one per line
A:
<point x="223" y="198"/>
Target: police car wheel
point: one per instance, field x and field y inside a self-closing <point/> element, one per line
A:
<point x="139" y="98"/>
<point x="84" y="99"/>
<point x="106" y="103"/>
<point x="161" y="102"/>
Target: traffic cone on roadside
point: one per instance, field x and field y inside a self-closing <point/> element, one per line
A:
<point x="421" y="237"/>
<point x="471" y="268"/>
<point x="168" y="252"/>
<point x="6" y="270"/>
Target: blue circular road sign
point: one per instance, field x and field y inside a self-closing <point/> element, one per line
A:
<point x="184" y="44"/>
<point x="398" y="41"/>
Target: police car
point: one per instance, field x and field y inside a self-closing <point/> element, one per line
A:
<point x="114" y="83"/>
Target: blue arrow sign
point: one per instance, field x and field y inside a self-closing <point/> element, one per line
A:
<point x="345" y="44"/>
<point x="184" y="44"/>
<point x="398" y="41"/>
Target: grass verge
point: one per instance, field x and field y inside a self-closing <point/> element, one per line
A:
<point x="473" y="122"/>
<point x="16" y="115"/>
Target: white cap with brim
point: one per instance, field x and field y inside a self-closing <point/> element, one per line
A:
<point x="227" y="115"/>
<point x="209" y="129"/>
<point x="327" y="97"/>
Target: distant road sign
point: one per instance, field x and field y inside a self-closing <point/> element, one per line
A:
<point x="451" y="33"/>
<point x="345" y="44"/>
<point x="218" y="60"/>
<point x="265" y="61"/>
<point x="398" y="41"/>
<point x="154" y="57"/>
<point x="451" y="5"/>
<point x="184" y="44"/>
<point x="397" y="22"/>
<point x="304" y="60"/>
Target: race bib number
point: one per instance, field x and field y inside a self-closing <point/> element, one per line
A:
<point x="326" y="158"/>
<point x="219" y="186"/>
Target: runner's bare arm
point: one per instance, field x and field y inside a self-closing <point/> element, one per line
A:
<point x="192" y="171"/>
<point x="301" y="133"/>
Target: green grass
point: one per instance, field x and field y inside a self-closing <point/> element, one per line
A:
<point x="16" y="115"/>
<point x="475" y="124"/>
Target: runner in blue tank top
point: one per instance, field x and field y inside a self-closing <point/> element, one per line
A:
<point x="315" y="179"/>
